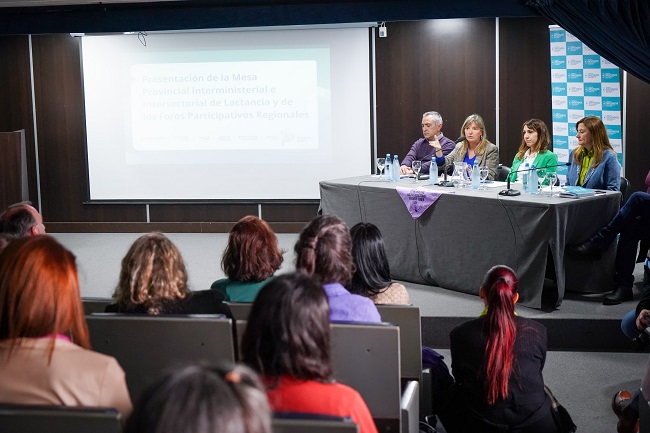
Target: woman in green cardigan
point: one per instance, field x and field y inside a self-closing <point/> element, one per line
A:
<point x="535" y="141"/>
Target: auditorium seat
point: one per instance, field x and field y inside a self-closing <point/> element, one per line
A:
<point x="22" y="418"/>
<point x="292" y="422"/>
<point x="407" y="317"/>
<point x="147" y="346"/>
<point x="240" y="310"/>
<point x="95" y="305"/>
<point x="625" y="190"/>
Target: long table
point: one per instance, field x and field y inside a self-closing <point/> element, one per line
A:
<point x="466" y="232"/>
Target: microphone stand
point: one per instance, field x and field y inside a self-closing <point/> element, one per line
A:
<point x="444" y="182"/>
<point x="509" y="192"/>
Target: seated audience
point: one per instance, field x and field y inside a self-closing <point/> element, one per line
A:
<point x="249" y="261"/>
<point x="632" y="222"/>
<point x="497" y="361"/>
<point x="423" y="148"/>
<point x="287" y="341"/>
<point x="371" y="277"/>
<point x="475" y="147"/>
<point x="534" y="149"/>
<point x="153" y="280"/>
<point x="45" y="355"/>
<point x="324" y="251"/>
<point x="594" y="162"/>
<point x="21" y="219"/>
<point x="203" y="399"/>
<point x="5" y="238"/>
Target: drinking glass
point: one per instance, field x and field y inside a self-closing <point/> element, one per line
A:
<point x="541" y="177"/>
<point x="381" y="163"/>
<point x="467" y="176"/>
<point x="484" y="172"/>
<point x="457" y="176"/>
<point x="551" y="177"/>
<point x="416" y="166"/>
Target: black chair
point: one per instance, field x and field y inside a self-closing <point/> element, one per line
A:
<point x="26" y="418"/>
<point x="95" y="305"/>
<point x="625" y="190"/>
<point x="502" y="173"/>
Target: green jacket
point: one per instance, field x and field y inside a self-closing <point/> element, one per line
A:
<point x="542" y="160"/>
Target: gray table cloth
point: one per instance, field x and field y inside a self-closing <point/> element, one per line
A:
<point x="466" y="232"/>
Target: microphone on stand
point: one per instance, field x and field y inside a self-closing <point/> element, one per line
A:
<point x="459" y="139"/>
<point x="513" y="192"/>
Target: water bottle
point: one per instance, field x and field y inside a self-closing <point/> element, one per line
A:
<point x="387" y="172"/>
<point x="433" y="171"/>
<point x="476" y="176"/>
<point x="395" y="169"/>
<point x="524" y="177"/>
<point x="532" y="180"/>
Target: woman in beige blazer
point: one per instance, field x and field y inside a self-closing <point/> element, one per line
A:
<point x="45" y="355"/>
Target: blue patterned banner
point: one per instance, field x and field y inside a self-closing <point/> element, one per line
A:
<point x="582" y="84"/>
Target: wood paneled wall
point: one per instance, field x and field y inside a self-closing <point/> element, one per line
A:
<point x="443" y="65"/>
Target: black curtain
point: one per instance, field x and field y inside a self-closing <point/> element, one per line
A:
<point x="618" y="30"/>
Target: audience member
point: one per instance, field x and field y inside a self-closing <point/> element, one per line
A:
<point x="423" y="148"/>
<point x="594" y="162"/>
<point x="22" y="219"/>
<point x="534" y="149"/>
<point x="475" y="147"/>
<point x="324" y="250"/>
<point x="497" y="361"/>
<point x="5" y="238"/>
<point x="45" y="355"/>
<point x="153" y="280"/>
<point x="249" y="261"/>
<point x="632" y="222"/>
<point x="203" y="399"/>
<point x="371" y="277"/>
<point x="287" y="341"/>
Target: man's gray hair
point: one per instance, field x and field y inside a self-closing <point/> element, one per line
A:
<point x="437" y="118"/>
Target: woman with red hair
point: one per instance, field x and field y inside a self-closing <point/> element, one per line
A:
<point x="45" y="355"/>
<point x="497" y="362"/>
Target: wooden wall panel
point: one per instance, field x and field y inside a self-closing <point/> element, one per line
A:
<point x="637" y="155"/>
<point x="524" y="80"/>
<point x="441" y="65"/>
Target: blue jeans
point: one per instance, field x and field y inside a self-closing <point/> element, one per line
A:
<point x="628" y="325"/>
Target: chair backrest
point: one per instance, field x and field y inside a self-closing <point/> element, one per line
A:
<point x="625" y="190"/>
<point x="407" y="317"/>
<point x="148" y="346"/>
<point x="16" y="418"/>
<point x="240" y="310"/>
<point x="301" y="425"/>
<point x="366" y="357"/>
<point x="502" y="173"/>
<point x="410" y="407"/>
<point x="95" y="305"/>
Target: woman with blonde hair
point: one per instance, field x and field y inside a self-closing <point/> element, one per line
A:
<point x="594" y="162"/>
<point x="45" y="355"/>
<point x="475" y="147"/>
<point x="534" y="148"/>
<point x="153" y="280"/>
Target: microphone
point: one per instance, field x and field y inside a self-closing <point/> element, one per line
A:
<point x="513" y="192"/>
<point x="459" y="139"/>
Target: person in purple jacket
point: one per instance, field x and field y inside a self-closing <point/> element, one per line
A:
<point x="423" y="148"/>
<point x="324" y="251"/>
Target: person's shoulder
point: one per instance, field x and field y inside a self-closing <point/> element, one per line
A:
<point x="467" y="326"/>
<point x="525" y="323"/>
<point x="220" y="284"/>
<point x="214" y="296"/>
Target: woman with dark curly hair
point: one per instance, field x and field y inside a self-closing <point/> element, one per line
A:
<point x="249" y="261"/>
<point x="153" y="280"/>
<point x="287" y="341"/>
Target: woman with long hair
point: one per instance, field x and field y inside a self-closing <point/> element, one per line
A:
<point x="199" y="398"/>
<point x="594" y="162"/>
<point x="371" y="277"/>
<point x="249" y="261"/>
<point x="153" y="280"/>
<point x="324" y="251"/>
<point x="287" y="341"/>
<point x="534" y="148"/>
<point x="45" y="355"/>
<point x="475" y="147"/>
<point x="497" y="362"/>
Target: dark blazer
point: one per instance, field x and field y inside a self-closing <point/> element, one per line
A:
<point x="200" y="302"/>
<point x="526" y="402"/>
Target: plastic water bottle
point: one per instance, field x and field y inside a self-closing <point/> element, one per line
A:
<point x="532" y="180"/>
<point x="395" y="168"/>
<point x="387" y="173"/>
<point x="476" y="176"/>
<point x="524" y="177"/>
<point x="433" y="171"/>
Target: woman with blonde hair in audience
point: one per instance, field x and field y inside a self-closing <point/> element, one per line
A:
<point x="287" y="341"/>
<point x="203" y="399"/>
<point x="324" y="251"/>
<point x="249" y="261"/>
<point x="497" y="363"/>
<point x="371" y="277"/>
<point x="475" y="147"/>
<point x="45" y="355"/>
<point x="153" y="280"/>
